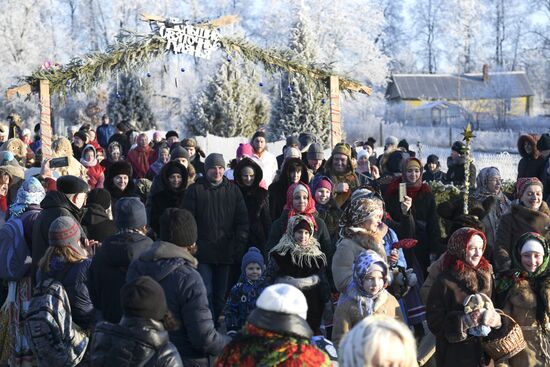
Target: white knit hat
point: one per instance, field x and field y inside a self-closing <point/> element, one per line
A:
<point x="283" y="298"/>
<point x="532" y="246"/>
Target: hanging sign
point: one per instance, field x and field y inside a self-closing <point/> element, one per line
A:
<point x="185" y="38"/>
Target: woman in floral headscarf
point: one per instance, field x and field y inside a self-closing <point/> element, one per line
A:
<point x="26" y="208"/>
<point x="464" y="272"/>
<point x="527" y="293"/>
<point x="366" y="295"/>
<point x="298" y="260"/>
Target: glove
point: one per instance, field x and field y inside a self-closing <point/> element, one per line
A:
<point x="412" y="280"/>
<point x="468" y="322"/>
<point x="491" y="318"/>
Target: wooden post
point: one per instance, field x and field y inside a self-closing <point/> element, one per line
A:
<point x="45" y="119"/>
<point x="335" y="112"/>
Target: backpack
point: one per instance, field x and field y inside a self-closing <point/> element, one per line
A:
<point x="15" y="256"/>
<point x="53" y="337"/>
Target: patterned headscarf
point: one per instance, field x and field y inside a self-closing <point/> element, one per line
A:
<point x="31" y="192"/>
<point x="310" y="207"/>
<point x="365" y="263"/>
<point x="358" y="212"/>
<point x="523" y="183"/>
<point x="482" y="182"/>
<point x="300" y="255"/>
<point x="457" y="246"/>
<point x="516" y="254"/>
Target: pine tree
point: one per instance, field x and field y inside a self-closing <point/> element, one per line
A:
<point x="232" y="103"/>
<point x="302" y="106"/>
<point x="129" y="103"/>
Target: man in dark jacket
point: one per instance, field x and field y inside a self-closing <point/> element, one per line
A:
<point x="171" y="263"/>
<point x="104" y="132"/>
<point x="67" y="201"/>
<point x="110" y="263"/>
<point x="96" y="222"/>
<point x="222" y="219"/>
<point x="456" y="166"/>
<point x="140" y="338"/>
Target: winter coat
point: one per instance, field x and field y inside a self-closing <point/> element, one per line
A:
<point x="222" y="220"/>
<point x="75" y="284"/>
<point x="278" y="189"/>
<point x="436" y="175"/>
<point x="96" y="176"/>
<point x="174" y="268"/>
<point x="316" y="295"/>
<point x="257" y="205"/>
<point x="423" y="210"/>
<point x="268" y="162"/>
<point x="347" y="249"/>
<point x="521" y="305"/>
<point x="133" y="342"/>
<point x="139" y="159"/>
<point x="54" y="205"/>
<point x="96" y="223"/>
<point x="456" y="174"/>
<point x="241" y="301"/>
<point x="349" y="177"/>
<point x="104" y="133"/>
<point x="108" y="271"/>
<point x="330" y="214"/>
<point x="445" y="312"/>
<point x="348" y="314"/>
<point x="512" y="225"/>
<point x="165" y="198"/>
<point x="530" y="165"/>
<point x="198" y="164"/>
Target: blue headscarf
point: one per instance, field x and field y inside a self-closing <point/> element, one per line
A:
<point x="31" y="192"/>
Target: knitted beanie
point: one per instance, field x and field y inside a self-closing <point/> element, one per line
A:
<point x="342" y="148"/>
<point x="391" y="140"/>
<point x="292" y="140"/>
<point x="171" y="133"/>
<point x="293" y="153"/>
<point x="253" y="255"/>
<point x="101" y="197"/>
<point x="245" y="150"/>
<point x="432" y="158"/>
<point x="143" y="297"/>
<point x="130" y="213"/>
<point x="64" y="231"/>
<point x="178" y="152"/>
<point x="214" y="160"/>
<point x="178" y="226"/>
<point x="283" y="298"/>
<point x="305" y="139"/>
<point x="315" y="151"/>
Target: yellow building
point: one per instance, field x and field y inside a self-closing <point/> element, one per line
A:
<point x="448" y="99"/>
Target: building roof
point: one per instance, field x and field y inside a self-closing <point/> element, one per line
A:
<point x="454" y="87"/>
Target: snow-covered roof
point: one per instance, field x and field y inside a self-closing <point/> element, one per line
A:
<point x="454" y="87"/>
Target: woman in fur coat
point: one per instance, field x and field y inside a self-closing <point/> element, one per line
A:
<point x="528" y="292"/>
<point x="464" y="272"/>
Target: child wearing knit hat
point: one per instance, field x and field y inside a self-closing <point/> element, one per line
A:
<point x="328" y="210"/>
<point x="242" y="297"/>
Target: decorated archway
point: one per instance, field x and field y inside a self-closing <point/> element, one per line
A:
<point x="132" y="51"/>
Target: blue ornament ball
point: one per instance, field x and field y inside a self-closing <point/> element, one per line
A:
<point x="289" y="88"/>
<point x="261" y="84"/>
<point x="182" y="70"/>
<point x="323" y="101"/>
<point x="228" y="59"/>
<point x="148" y="75"/>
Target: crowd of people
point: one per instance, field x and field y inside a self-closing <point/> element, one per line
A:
<point x="134" y="252"/>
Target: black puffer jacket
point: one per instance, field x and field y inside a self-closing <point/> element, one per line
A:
<point x="257" y="204"/>
<point x="277" y="190"/>
<point x="108" y="271"/>
<point x="222" y="220"/>
<point x="530" y="164"/>
<point x="167" y="197"/>
<point x="174" y="268"/>
<point x="96" y="223"/>
<point x="54" y="205"/>
<point x="133" y="342"/>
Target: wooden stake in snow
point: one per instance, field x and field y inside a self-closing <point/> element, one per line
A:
<point x="335" y="112"/>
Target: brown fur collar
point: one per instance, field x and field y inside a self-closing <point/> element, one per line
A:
<point x="474" y="280"/>
<point x="523" y="295"/>
<point x="535" y="219"/>
<point x="371" y="241"/>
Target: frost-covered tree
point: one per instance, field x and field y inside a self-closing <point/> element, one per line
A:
<point x="428" y="19"/>
<point x="391" y="39"/>
<point x="301" y="105"/>
<point x="232" y="104"/>
<point x="129" y="103"/>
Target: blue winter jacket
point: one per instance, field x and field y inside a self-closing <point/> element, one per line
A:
<point x="175" y="270"/>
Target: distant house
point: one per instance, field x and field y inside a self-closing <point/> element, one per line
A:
<point x="447" y="99"/>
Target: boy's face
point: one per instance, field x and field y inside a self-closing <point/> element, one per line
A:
<point x="322" y="195"/>
<point x="301" y="237"/>
<point x="253" y="271"/>
<point x="374" y="282"/>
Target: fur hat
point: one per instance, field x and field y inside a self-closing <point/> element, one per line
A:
<point x="342" y="148"/>
<point x="178" y="226"/>
<point x="120" y="168"/>
<point x="253" y="255"/>
<point x="143" y="297"/>
<point x="189" y="143"/>
<point x="432" y="158"/>
<point x="283" y="298"/>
